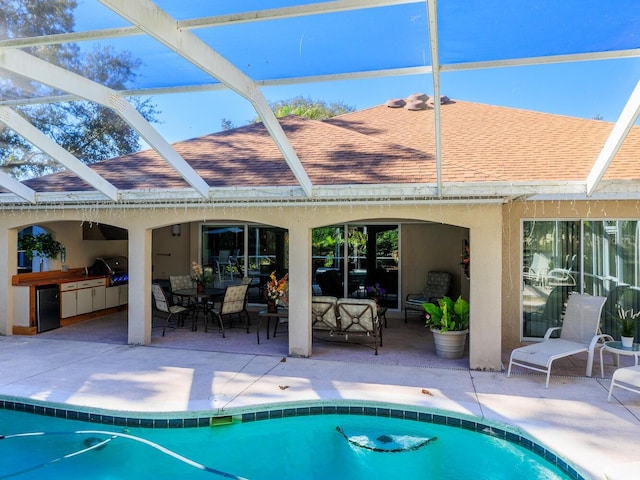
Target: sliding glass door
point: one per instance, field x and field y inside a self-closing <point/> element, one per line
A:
<point x="594" y="257"/>
<point x="372" y="254"/>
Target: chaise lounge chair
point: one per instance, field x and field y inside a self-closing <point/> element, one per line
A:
<point x="627" y="378"/>
<point x="437" y="286"/>
<point x="579" y="333"/>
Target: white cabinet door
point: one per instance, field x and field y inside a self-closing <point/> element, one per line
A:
<point x="68" y="304"/>
<point x="112" y="297"/>
<point x="85" y="300"/>
<point x="98" y="297"/>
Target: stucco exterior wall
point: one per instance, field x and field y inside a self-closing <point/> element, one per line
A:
<point x="484" y="224"/>
<point x="514" y="213"/>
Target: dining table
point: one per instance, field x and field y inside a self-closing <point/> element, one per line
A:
<point x="199" y="301"/>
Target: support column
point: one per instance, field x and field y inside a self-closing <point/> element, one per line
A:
<point x="485" y="326"/>
<point x="140" y="311"/>
<point x="8" y="268"/>
<point x="300" y="291"/>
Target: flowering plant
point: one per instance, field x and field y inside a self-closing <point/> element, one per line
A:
<point x="465" y="258"/>
<point x="198" y="274"/>
<point x="276" y="289"/>
<point x="376" y="290"/>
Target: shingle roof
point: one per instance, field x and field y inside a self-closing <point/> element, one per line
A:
<point x="382" y="145"/>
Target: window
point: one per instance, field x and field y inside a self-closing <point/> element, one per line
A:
<point x="594" y="257"/>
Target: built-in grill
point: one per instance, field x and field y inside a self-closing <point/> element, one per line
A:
<point x="115" y="268"/>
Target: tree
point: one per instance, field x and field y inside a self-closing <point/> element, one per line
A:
<point x="308" y="108"/>
<point x="89" y="131"/>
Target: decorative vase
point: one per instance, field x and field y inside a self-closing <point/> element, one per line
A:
<point x="627" y="342"/>
<point x="201" y="288"/>
<point x="272" y="306"/>
<point x="450" y="344"/>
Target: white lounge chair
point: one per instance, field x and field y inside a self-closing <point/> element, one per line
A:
<point x="627" y="378"/>
<point x="579" y="333"/>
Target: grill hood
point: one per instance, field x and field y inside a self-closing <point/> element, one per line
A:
<point x="110" y="265"/>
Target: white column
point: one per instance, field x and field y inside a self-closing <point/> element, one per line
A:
<point x="8" y="268"/>
<point x="139" y="330"/>
<point x="485" y="326"/>
<point x="300" y="291"/>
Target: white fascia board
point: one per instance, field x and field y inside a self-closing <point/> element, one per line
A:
<point x="22" y="127"/>
<point x="406" y="194"/>
<point x="54" y="76"/>
<point x="616" y="138"/>
<point x="156" y="23"/>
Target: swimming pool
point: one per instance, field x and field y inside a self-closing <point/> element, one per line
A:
<point x="342" y="441"/>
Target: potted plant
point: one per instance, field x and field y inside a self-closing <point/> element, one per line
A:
<point x="449" y="323"/>
<point x="41" y="245"/>
<point x="627" y="320"/>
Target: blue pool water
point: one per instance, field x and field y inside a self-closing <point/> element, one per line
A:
<point x="335" y="446"/>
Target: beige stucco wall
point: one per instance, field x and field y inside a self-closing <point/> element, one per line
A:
<point x="484" y="224"/>
<point x="514" y="213"/>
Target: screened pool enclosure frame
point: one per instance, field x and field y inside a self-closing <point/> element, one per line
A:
<point x="261" y="45"/>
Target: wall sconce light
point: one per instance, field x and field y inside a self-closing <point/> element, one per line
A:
<point x="176" y="230"/>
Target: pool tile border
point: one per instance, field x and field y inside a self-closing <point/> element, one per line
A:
<point x="285" y="412"/>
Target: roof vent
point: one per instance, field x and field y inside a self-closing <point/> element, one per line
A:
<point x="416" y="105"/>
<point x="420" y="97"/>
<point x="395" y="103"/>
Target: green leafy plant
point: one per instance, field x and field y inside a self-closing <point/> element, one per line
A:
<point x="628" y="319"/>
<point x="40" y="245"/>
<point x="447" y="315"/>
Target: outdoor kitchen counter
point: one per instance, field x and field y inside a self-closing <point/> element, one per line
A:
<point x="53" y="277"/>
<point x="25" y="297"/>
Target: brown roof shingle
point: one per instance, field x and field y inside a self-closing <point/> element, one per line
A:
<point x="382" y="145"/>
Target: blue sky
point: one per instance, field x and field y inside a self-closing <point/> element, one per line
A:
<point x="474" y="30"/>
<point x="583" y="90"/>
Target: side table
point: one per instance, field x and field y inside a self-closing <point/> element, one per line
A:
<point x="266" y="314"/>
<point x="617" y="349"/>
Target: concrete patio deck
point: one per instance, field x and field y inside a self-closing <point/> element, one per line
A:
<point x="98" y="371"/>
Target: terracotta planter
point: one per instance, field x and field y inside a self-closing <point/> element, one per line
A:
<point x="450" y="344"/>
<point x="201" y="288"/>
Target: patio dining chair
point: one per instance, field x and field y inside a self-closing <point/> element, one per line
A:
<point x="180" y="282"/>
<point x="163" y="309"/>
<point x="233" y="304"/>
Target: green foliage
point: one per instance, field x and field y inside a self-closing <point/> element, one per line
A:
<point x="324" y="243"/>
<point x="308" y="108"/>
<point x="40" y="245"/>
<point x="447" y="315"/>
<point x="627" y="319"/>
<point x="89" y="131"/>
